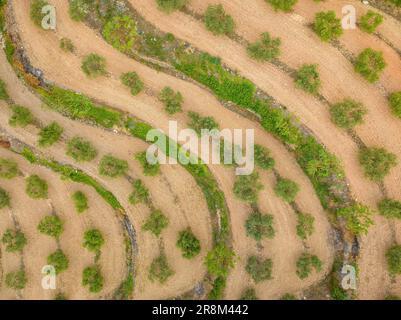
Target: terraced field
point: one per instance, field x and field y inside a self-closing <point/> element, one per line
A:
<point x="85" y="215"/>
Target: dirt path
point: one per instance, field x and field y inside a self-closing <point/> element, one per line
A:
<point x="111" y="91"/>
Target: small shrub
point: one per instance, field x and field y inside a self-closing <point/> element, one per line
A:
<point x="81" y="150"/>
<point x="94" y="65"/>
<point x="283" y="5"/>
<point x="14" y="241"/>
<point x="172" y="100"/>
<point x="93" y="240"/>
<point x="16" y="280"/>
<point x="220" y="260"/>
<point x="327" y="26"/>
<point x="395" y="103"/>
<point x="249" y="294"/>
<point x="51" y="226"/>
<point x="36" y="187"/>
<point x="259" y="269"/>
<point x="169" y="6"/>
<point x="263" y="158"/>
<point x="156" y="222"/>
<point x="347" y="114"/>
<point x="36" y="11"/>
<point x="308" y="79"/>
<point x="199" y="123"/>
<point x="217" y="21"/>
<point x="8" y="168"/>
<point x="79" y="9"/>
<point x="286" y="189"/>
<point x="393" y="256"/>
<point x="376" y="162"/>
<point x="3" y="91"/>
<point x="370" y="21"/>
<point x="259" y="226"/>
<point x="189" y="244"/>
<point x="390" y="208"/>
<point x="159" y="269"/>
<point x="140" y="193"/>
<point x="21" y="117"/>
<point x="4" y="198"/>
<point x="50" y="134"/>
<point x="67" y="45"/>
<point x="266" y="49"/>
<point x="148" y="168"/>
<point x="92" y="277"/>
<point x="369" y="64"/>
<point x="132" y="81"/>
<point x="80" y="201"/>
<point x="58" y="260"/>
<point x="305" y="226"/>
<point x="246" y="188"/>
<point x="112" y="167"/>
<point x="306" y="263"/>
<point x="358" y="218"/>
<point x="120" y="32"/>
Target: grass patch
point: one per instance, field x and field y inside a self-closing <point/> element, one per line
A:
<point x="50" y="134"/>
<point x="14" y="240"/>
<point x="92" y="277"/>
<point x="172" y="100"/>
<point x="4" y="198"/>
<point x="282" y="5"/>
<point x="286" y="189"/>
<point x="266" y="49"/>
<point x="94" y="65"/>
<point x="306" y="263"/>
<point x="67" y="45"/>
<point x="21" y="117"/>
<point x="220" y="260"/>
<point x="8" y="168"/>
<point x="81" y="150"/>
<point x="327" y="26"/>
<point x="58" y="260"/>
<point x="140" y="194"/>
<point x="159" y="269"/>
<point x="156" y="222"/>
<point x="395" y="103"/>
<point x="199" y="123"/>
<point x="189" y="244"/>
<point x="249" y="294"/>
<point x="305" y="226"/>
<point x="370" y="21"/>
<point x="93" y="240"/>
<point x="36" y="188"/>
<point x="112" y="167"/>
<point x="169" y="6"/>
<point x="217" y="21"/>
<point x="16" y="280"/>
<point x="3" y="91"/>
<point x="308" y="79"/>
<point x="347" y="114"/>
<point x="376" y="162"/>
<point x="80" y="201"/>
<point x="132" y="81"/>
<point x="390" y="208"/>
<point x="247" y="188"/>
<point x="259" y="226"/>
<point x="369" y="64"/>
<point x="259" y="269"/>
<point x="51" y="226"/>
<point x="393" y="256"/>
